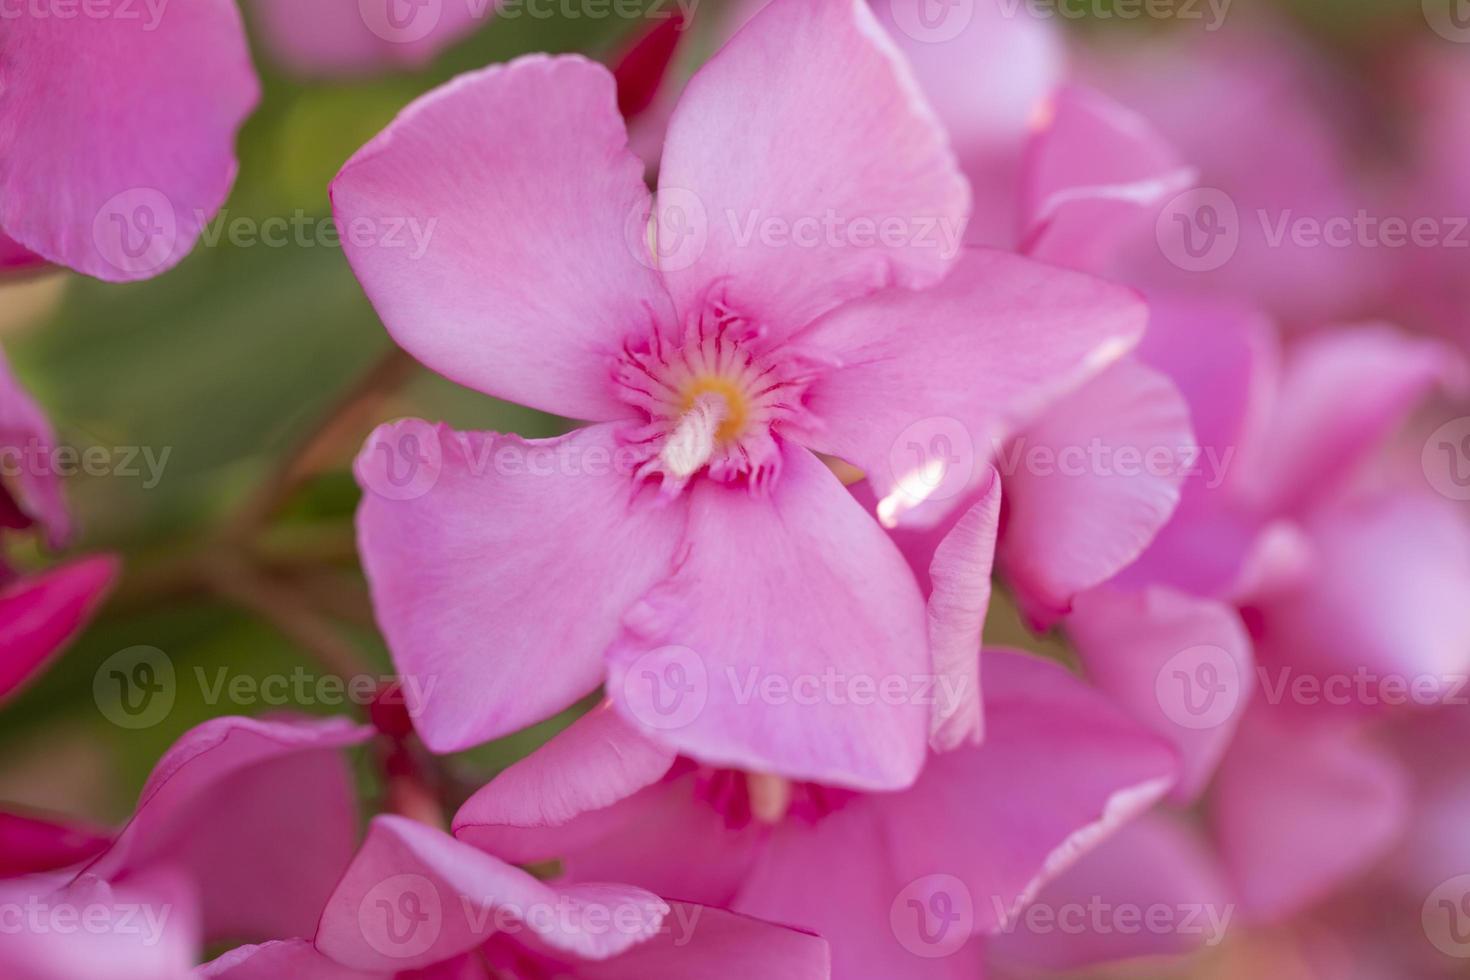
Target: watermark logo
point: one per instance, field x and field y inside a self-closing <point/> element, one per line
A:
<point x="136" y="231"/>
<point x="1198" y="688"/>
<point x="667" y="688"/>
<point x="405" y="462"/>
<point x="1446" y="459"/>
<point x="135" y="688"/>
<point x="1446" y="917"/>
<point x="932" y="459"/>
<point x="401" y="21"/>
<point x="1450" y="19"/>
<point x="670" y="232"/>
<point x="1199" y="230"/>
<point x="933" y="916"/>
<point x="1099" y="917"/>
<point x="401" y="916"/>
<point x="932" y="21"/>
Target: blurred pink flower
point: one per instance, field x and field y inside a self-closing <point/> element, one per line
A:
<point x="117" y="132"/>
<point x="349" y="38"/>
<point x="716" y="367"/>
<point x="966" y="847"/>
<point x="41" y="611"/>
<point x="415" y="898"/>
<point x="255" y="819"/>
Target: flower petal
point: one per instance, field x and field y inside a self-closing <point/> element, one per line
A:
<point x="520" y="264"/>
<point x="1089" y="485"/>
<point x="809" y="660"/>
<point x="331" y="39"/>
<point x="698" y="942"/>
<point x="32" y="844"/>
<point x="25" y="430"/>
<point x="414" y="895"/>
<point x="260" y="814"/>
<point x="500" y="566"/>
<point x="971" y="360"/>
<point x="958" y="602"/>
<point x="1298" y="812"/>
<point x="788" y="154"/>
<point x="1181" y="665"/>
<point x="596" y="763"/>
<point x="40" y="613"/>
<point x="117" y="133"/>
<point x="295" y="958"/>
<point x="1095" y="178"/>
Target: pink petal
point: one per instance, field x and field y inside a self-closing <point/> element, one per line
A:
<point x="117" y="133"/>
<point x="31" y="844"/>
<point x="791" y="638"/>
<point x="1299" y="812"/>
<point x="1317" y="437"/>
<point x="958" y="603"/>
<point x="520" y="265"/>
<point x="294" y="958"/>
<point x="1181" y="665"/>
<point x="40" y="613"/>
<point x="834" y="880"/>
<point x="1386" y="600"/>
<point x="988" y="71"/>
<point x="702" y="943"/>
<point x="932" y="379"/>
<point x="1090" y="484"/>
<point x="16" y="258"/>
<point x="599" y="761"/>
<point x="1099" y="911"/>
<point x="859" y="149"/>
<point x="500" y="566"/>
<point x="975" y="838"/>
<point x="25" y="430"/>
<point x="260" y="814"/>
<point x="1096" y="177"/>
<point x="330" y="39"/>
<point x="414" y="896"/>
<point x="670" y="837"/>
<point x="145" y="928"/>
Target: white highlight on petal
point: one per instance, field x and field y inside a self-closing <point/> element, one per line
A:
<point x="912" y="490"/>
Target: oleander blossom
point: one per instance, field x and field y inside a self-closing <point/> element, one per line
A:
<point x="714" y="360"/>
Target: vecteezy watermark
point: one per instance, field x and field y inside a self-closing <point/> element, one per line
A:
<point x="55" y="914"/>
<point x="1099" y="458"/>
<point x="1446" y="459"/>
<point x="402" y="916"/>
<point x="666" y="689"/>
<point x="137" y="231"/>
<point x="1445" y="917"/>
<point x="1201" y="230"/>
<point x="410" y="21"/>
<point x="932" y="21"/>
<point x="673" y="232"/>
<point x="37" y="459"/>
<point x="1450" y="19"/>
<point x="137" y="687"/>
<point x="1211" y="12"/>
<point x="1199" y="687"/>
<point x="1100" y="917"/>
<point x="1362" y="687"/>
<point x="301" y="230"/>
<point x="148" y="12"/>
<point x="932" y="459"/>
<point x="932" y="916"/>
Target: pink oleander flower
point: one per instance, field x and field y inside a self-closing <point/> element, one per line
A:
<point x="899" y="883"/>
<point x="39" y="611"/>
<point x="337" y="38"/>
<point x="692" y="527"/>
<point x="242" y="831"/>
<point x="415" y="902"/>
<point x="117" y="132"/>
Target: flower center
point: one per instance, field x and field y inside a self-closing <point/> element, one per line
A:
<point x="711" y="401"/>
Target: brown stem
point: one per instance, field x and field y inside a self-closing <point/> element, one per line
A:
<point x="343" y="419"/>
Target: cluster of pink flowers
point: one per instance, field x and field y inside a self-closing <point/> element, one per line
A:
<point x="872" y="314"/>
